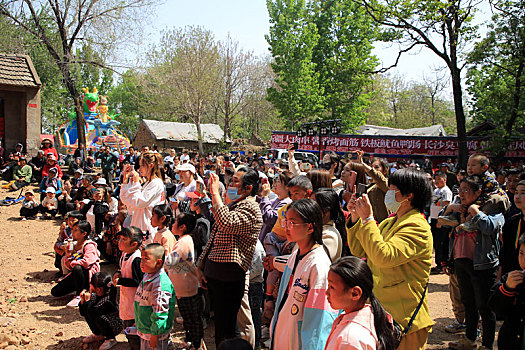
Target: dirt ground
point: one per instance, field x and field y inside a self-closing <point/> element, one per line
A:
<point x="31" y="318"/>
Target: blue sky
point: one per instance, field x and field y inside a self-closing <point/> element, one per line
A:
<point x="247" y="22"/>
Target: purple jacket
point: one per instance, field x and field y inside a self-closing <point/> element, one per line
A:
<point x="269" y="213"/>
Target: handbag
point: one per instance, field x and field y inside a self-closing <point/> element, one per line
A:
<point x="399" y="332"/>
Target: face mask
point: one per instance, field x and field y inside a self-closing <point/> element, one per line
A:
<point x="391" y="202"/>
<point x="232" y="193"/>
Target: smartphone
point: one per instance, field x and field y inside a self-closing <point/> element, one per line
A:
<point x="199" y="187"/>
<point x="360" y="190"/>
<point x="172" y="199"/>
<point x="295" y="145"/>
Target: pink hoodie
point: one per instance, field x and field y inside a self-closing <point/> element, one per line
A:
<point x="353" y="331"/>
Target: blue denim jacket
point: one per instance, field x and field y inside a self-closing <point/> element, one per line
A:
<point x="487" y="246"/>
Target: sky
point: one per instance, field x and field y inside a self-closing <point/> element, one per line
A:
<point x="247" y="22"/>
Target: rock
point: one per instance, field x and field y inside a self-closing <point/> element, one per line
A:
<point x="5" y="321"/>
<point x="23" y="299"/>
<point x="28" y="258"/>
<point x="12" y="340"/>
<point x="26" y="340"/>
<point x="59" y="334"/>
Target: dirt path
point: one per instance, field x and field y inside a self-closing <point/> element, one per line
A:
<point x="31" y="318"/>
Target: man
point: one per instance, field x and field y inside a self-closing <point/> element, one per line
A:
<point x="185" y="158"/>
<point x="108" y="162"/>
<point x="227" y="256"/>
<point x="80" y="153"/>
<point x="451" y="177"/>
<point x="37" y="163"/>
<point x="513" y="178"/>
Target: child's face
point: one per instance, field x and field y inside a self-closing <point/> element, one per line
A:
<point x="474" y="167"/>
<point x="126" y="246"/>
<point x="519" y="197"/>
<point x="337" y="296"/>
<point x="297" y="193"/>
<point x="97" y="290"/>
<point x="50" y="195"/>
<point x="296" y="229"/>
<point x="156" y="221"/>
<point x="521" y="257"/>
<point x="439" y="182"/>
<point x="148" y="263"/>
<point x="29" y="196"/>
<point x="77" y="234"/>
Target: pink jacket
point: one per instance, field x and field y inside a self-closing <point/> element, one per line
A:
<point x="353" y="331"/>
<point x="89" y="260"/>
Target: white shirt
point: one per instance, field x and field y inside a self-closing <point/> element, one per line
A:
<point x="443" y="194"/>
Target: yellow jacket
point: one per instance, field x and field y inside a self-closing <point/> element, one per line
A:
<point x="399" y="253"/>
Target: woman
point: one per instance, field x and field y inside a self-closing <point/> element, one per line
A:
<point x="333" y="222"/>
<point x="376" y="191"/>
<point x="47" y="147"/>
<point x="303" y="318"/>
<point x="320" y="178"/>
<point x="398" y="251"/>
<point x="475" y="256"/>
<point x="269" y="207"/>
<point x="140" y="200"/>
<point x="180" y="202"/>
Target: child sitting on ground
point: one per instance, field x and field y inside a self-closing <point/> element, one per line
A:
<point x="29" y="206"/>
<point x="49" y="205"/>
<point x="51" y="180"/>
<point x="64" y="235"/>
<point x="154" y="300"/>
<point x="82" y="261"/>
<point x="128" y="278"/>
<point x="180" y="265"/>
<point x="99" y="307"/>
<point x="507" y="300"/>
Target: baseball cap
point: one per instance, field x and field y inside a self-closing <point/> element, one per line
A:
<point x="50" y="190"/>
<point x="186" y="167"/>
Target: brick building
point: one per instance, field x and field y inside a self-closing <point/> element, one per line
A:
<point x="179" y="136"/>
<point x="19" y="102"/>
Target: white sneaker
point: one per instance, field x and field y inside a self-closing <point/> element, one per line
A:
<point x="74" y="302"/>
<point x="108" y="344"/>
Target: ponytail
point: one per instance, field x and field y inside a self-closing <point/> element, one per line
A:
<point x="105" y="281"/>
<point x="383" y="325"/>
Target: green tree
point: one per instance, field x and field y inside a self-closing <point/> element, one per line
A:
<point x="298" y="96"/>
<point x="444" y="27"/>
<point x="127" y="98"/>
<point x="343" y="58"/>
<point x="496" y="75"/>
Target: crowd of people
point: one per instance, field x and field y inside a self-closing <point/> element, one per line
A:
<point x="280" y="254"/>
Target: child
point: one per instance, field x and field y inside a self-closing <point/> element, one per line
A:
<point x="64" y="235"/>
<point x="99" y="307"/>
<point x="161" y="219"/>
<point x="180" y="265"/>
<point x="304" y="319"/>
<point x="29" y="206"/>
<point x="128" y="278"/>
<point x="508" y="301"/>
<point x="361" y="326"/>
<point x="51" y="180"/>
<point x="441" y="198"/>
<point x="82" y="261"/>
<point x="111" y="236"/>
<point x="154" y="300"/>
<point x="50" y="204"/>
<point x="95" y="212"/>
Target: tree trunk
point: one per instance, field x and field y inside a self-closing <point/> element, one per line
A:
<point x="199" y="134"/>
<point x="70" y="84"/>
<point x="460" y="117"/>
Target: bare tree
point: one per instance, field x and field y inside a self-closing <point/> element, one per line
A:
<point x="104" y="24"/>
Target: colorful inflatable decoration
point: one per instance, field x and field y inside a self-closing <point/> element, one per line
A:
<point x="101" y="127"/>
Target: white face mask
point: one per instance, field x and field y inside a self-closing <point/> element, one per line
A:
<point x="391" y="202"/>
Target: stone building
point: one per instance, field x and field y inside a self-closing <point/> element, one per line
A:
<point x="19" y="102"/>
<point x="179" y="136"/>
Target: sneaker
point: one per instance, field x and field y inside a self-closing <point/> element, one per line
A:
<point x="24" y="218"/>
<point x="448" y="220"/>
<point x="92" y="338"/>
<point x="179" y="320"/>
<point x="108" y="344"/>
<point x="468" y="226"/>
<point x="462" y="344"/>
<point x="455" y="327"/>
<point x="74" y="302"/>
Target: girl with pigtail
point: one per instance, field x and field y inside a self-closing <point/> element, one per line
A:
<point x="99" y="307"/>
<point x="140" y="197"/>
<point x="162" y="220"/>
<point x="362" y="325"/>
<point x="303" y="318"/>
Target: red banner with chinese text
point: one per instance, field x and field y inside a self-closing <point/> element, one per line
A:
<point x="390" y="145"/>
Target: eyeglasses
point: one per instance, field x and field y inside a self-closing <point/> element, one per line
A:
<point x="289" y="224"/>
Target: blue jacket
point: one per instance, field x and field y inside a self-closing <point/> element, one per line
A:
<point x="486" y="251"/>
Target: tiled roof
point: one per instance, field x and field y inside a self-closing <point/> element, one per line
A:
<point x="211" y="133"/>
<point x="17" y="70"/>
